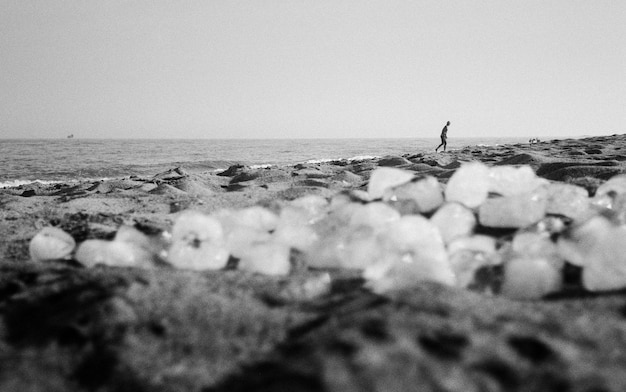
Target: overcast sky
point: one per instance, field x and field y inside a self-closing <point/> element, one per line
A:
<point x="311" y="68"/>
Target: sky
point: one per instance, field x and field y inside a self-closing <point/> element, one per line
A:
<point x="311" y="68"/>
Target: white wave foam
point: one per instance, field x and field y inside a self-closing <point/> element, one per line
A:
<point x="363" y="157"/>
<point x="355" y="158"/>
<point x="16" y="183"/>
<point x="265" y="166"/>
<point x="320" y="160"/>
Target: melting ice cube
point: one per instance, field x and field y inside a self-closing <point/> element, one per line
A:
<point x="269" y="258"/>
<point x="599" y="247"/>
<point x="51" y="243"/>
<point x="515" y="211"/>
<point x="454" y="220"/>
<point x="197" y="242"/>
<point x="113" y="253"/>
<point x="386" y="177"/>
<point x="510" y="180"/>
<point x="425" y="192"/>
<point x="469" y="185"/>
<point x="530" y="278"/>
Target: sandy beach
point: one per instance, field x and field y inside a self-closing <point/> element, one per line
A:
<point x="66" y="327"/>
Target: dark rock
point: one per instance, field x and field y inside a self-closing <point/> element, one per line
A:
<point x="233" y="187"/>
<point x="312" y="183"/>
<point x="171" y="174"/>
<point x="348" y="177"/>
<point x="518" y="159"/>
<point x="531" y="348"/>
<point x="245" y="176"/>
<point x="231" y="171"/>
<point x="28" y="193"/>
<point x="393" y="161"/>
<point x="575" y="171"/>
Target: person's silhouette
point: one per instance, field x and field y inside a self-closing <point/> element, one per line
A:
<point x="444" y="137"/>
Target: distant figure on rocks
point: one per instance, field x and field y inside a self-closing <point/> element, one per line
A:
<point x="444" y="137"/>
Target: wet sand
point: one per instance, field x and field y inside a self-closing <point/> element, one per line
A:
<point x="69" y="328"/>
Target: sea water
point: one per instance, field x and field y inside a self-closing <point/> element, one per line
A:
<point x="62" y="160"/>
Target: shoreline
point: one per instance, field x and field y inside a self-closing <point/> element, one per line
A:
<point x="545" y="151"/>
<point x="219" y="157"/>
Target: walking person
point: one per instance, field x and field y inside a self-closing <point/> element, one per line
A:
<point x="444" y="137"/>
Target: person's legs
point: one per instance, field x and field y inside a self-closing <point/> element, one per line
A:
<point x="443" y="143"/>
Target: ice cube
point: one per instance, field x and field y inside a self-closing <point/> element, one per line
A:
<point x="413" y="252"/>
<point x="468" y="254"/>
<point x="530" y="278"/>
<point x="196" y="226"/>
<point x="198" y="242"/>
<point x="515" y="211"/>
<point x="269" y="258"/>
<point x="568" y="200"/>
<point x="239" y="238"/>
<point x="197" y="255"/>
<point x="615" y="185"/>
<point x="475" y="243"/>
<point x="51" y="243"/>
<point x="598" y="246"/>
<point x="113" y="253"/>
<point x="454" y="220"/>
<point x="576" y="244"/>
<point x="611" y="197"/>
<point x="352" y="247"/>
<point x="377" y="215"/>
<point x="93" y="252"/>
<point x="397" y="272"/>
<point x="256" y="217"/>
<point x="414" y="233"/>
<point x="131" y="235"/>
<point x="469" y="185"/>
<point x="294" y="227"/>
<point x="510" y="180"/>
<point x="386" y="177"/>
<point x="425" y="192"/>
<point x="533" y="243"/>
<point x="315" y="207"/>
<point x="300" y="237"/>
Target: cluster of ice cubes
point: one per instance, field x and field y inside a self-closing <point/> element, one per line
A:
<point x="403" y="230"/>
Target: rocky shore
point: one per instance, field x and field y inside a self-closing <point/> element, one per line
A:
<point x="65" y="327"/>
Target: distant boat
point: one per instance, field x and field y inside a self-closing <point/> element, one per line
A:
<point x="70" y="136"/>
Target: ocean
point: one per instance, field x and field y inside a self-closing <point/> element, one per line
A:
<point x="24" y="161"/>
